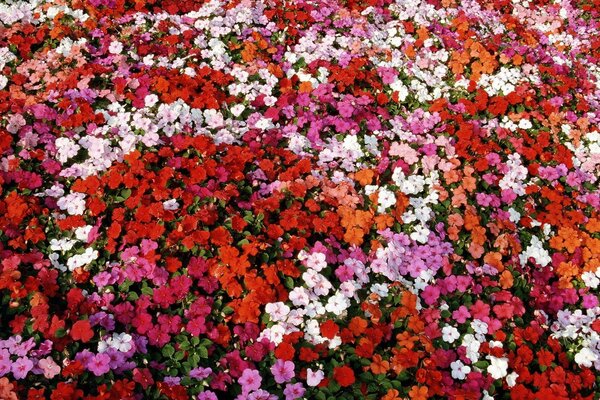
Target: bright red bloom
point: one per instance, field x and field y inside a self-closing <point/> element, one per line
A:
<point x="344" y="376"/>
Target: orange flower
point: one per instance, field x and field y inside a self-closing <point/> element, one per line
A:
<point x="495" y="260"/>
<point x="364" y="177"/>
<point x="392" y="394"/>
<point x="506" y="279"/>
<point x="357" y="326"/>
<point x="418" y="393"/>
<point x="379" y="365"/>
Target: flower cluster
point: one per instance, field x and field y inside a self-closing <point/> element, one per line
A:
<point x="252" y="199"/>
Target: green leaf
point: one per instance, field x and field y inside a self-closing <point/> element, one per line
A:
<point x="132" y="296"/>
<point x="147" y="290"/>
<point x="202" y="352"/>
<point x="61" y="332"/>
<point x="168" y="350"/>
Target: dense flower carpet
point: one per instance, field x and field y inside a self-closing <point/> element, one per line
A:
<point x="299" y="199"/>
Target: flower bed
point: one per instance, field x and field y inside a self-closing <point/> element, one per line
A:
<point x="362" y="199"/>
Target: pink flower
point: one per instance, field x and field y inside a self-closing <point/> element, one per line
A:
<point x="283" y="371"/>
<point x="313" y="378"/>
<point x="5" y="362"/>
<point x="346" y="109"/>
<point x="293" y="391"/>
<point x="99" y="364"/>
<point x="21" y="367"/>
<point x="250" y="380"/>
<point x="430" y="294"/>
<point x="461" y="314"/>
<point x="200" y="373"/>
<point x="49" y="367"/>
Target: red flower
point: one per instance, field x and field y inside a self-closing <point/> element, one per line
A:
<point x="344" y="376"/>
<point x="285" y="351"/>
<point x="82" y="330"/>
<point x="329" y="329"/>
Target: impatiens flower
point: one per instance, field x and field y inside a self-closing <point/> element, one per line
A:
<point x="49" y="367"/>
<point x="313" y="378"/>
<point x="5" y="362"/>
<point x="99" y="364"/>
<point x="294" y="391"/>
<point x="200" y="373"/>
<point x="121" y="342"/>
<point x="283" y="371"/>
<point x="115" y="47"/>
<point x="21" y="367"/>
<point x="459" y="370"/>
<point x="170" y="205"/>
<point x="74" y="203"/>
<point x="511" y="379"/>
<point x="498" y="367"/>
<point x="586" y="357"/>
<point x="316" y="261"/>
<point x="250" y="380"/>
<point x="450" y="334"/>
<point x="344" y="376"/>
<point x="277" y="311"/>
<point x="207" y="395"/>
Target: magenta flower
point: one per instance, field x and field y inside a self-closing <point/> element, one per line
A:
<point x="250" y="380"/>
<point x="5" y="362"/>
<point x="207" y="395"/>
<point x="461" y="314"/>
<point x="21" y="367"/>
<point x="293" y="391"/>
<point x="200" y="373"/>
<point x="99" y="364"/>
<point x="283" y="371"/>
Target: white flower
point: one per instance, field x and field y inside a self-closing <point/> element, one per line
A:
<point x="82" y="233"/>
<point x="511" y="379"/>
<point x="525" y="124"/>
<point x="590" y="279"/>
<point x="170" y="205"/>
<point x="238" y="109"/>
<point x="313" y="378"/>
<point x="150" y="100"/>
<point x="498" y="367"/>
<point x="102" y="346"/>
<point x="3" y="81"/>
<point x="586" y="357"/>
<point x="337" y="304"/>
<point x="299" y="297"/>
<point x="459" y="370"/>
<point x="450" y="334"/>
<point x="74" y="203"/>
<point x="386" y="198"/>
<point x="277" y="311"/>
<point x="322" y="287"/>
<point x="316" y="261"/>
<point x="65" y="149"/>
<point x="472" y="345"/>
<point x="61" y="244"/>
<point x="380" y="288"/>
<point x="115" y="47"/>
<point x="121" y="342"/>
<point x="420" y="234"/>
<point x="80" y="260"/>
